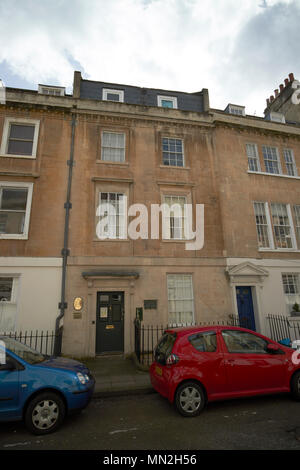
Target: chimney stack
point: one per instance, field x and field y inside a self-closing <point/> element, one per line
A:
<point x="286" y="81"/>
<point x="291" y="77"/>
<point x="281" y="87"/>
<point x="271" y="98"/>
<point x="276" y="92"/>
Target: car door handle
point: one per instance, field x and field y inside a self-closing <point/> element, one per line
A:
<point x="229" y="361"/>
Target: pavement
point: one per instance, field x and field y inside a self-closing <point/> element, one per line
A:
<point x="118" y="375"/>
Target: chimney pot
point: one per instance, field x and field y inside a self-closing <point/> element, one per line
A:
<point x="271" y="98"/>
<point x="276" y="92"/>
<point x="291" y="77"/>
<point x="286" y="81"/>
<point x="281" y="87"/>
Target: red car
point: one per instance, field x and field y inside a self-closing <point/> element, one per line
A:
<point x="195" y="365"/>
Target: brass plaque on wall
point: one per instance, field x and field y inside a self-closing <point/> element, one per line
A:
<point x="77" y="315"/>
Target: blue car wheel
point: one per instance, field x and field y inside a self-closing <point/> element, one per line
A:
<point x="45" y="413"/>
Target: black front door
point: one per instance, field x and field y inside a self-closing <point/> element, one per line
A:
<point x="110" y="322"/>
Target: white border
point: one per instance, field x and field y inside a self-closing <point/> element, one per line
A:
<point x="4" y="144"/>
<point x="105" y="92"/>
<point x="61" y="89"/>
<point x="160" y="98"/>
<point x="29" y="186"/>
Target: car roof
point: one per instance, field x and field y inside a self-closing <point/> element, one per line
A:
<point x="181" y="331"/>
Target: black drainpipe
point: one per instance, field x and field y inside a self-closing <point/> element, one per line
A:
<point x="65" y="251"/>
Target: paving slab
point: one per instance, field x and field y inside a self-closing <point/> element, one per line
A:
<point x="118" y="375"/>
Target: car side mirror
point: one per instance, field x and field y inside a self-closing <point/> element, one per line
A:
<point x="9" y="365"/>
<point x="273" y="348"/>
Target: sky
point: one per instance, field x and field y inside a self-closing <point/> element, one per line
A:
<point x="240" y="50"/>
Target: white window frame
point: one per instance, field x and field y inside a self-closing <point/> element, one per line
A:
<point x="120" y="93"/>
<point x="291" y="297"/>
<point x="161" y="98"/>
<point x="256" y="157"/>
<point x="51" y="90"/>
<point x="277" y="159"/>
<point x="102" y="146"/>
<point x="269" y="225"/>
<point x="12" y="304"/>
<point x="236" y="110"/>
<point x="288" y="153"/>
<point x="29" y="187"/>
<point x="297" y="219"/>
<point x="120" y="233"/>
<point x="14" y="290"/>
<point x="291" y="226"/>
<point x="6" y="132"/>
<point x="175" y="153"/>
<point x="177" y="276"/>
<point x="167" y="218"/>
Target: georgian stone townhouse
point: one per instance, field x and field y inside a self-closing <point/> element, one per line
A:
<point x="78" y="172"/>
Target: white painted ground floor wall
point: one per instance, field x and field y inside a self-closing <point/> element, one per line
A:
<point x="33" y="301"/>
<point x="264" y="276"/>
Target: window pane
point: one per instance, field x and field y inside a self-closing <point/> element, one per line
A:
<point x="113" y="147"/>
<point x="180" y="299"/>
<point x="281" y="224"/>
<point x="253" y="162"/>
<point x="167" y="104"/>
<point x="113" y="97"/>
<point x="12" y="222"/>
<point x="204" y="342"/>
<point x="19" y="147"/>
<point x="297" y="219"/>
<point x="243" y="342"/>
<point x="175" y="220"/>
<point x="172" y="150"/>
<point x="6" y="284"/>
<point x="115" y="214"/>
<point x="20" y="131"/>
<point x="14" y="199"/>
<point x="291" y="287"/>
<point x="261" y="225"/>
<point x="290" y="283"/>
<point x="271" y="159"/>
<point x="290" y="162"/>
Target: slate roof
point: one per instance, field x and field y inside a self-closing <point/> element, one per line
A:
<point x="142" y="96"/>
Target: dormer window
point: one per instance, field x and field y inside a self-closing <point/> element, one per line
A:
<point x="235" y="109"/>
<point x="167" y="101"/>
<point x="51" y="90"/>
<point x="113" y="95"/>
<point x="275" y="117"/>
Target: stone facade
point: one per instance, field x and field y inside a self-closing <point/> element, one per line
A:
<point x="114" y="277"/>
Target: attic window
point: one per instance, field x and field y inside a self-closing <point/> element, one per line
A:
<point x="112" y="95"/>
<point x="167" y="101"/>
<point x="235" y="109"/>
<point x="51" y="90"/>
<point x="276" y="117"/>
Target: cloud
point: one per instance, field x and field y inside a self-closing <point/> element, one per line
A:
<point x="265" y="51"/>
<point x="224" y="45"/>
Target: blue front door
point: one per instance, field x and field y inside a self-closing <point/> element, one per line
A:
<point x="245" y="307"/>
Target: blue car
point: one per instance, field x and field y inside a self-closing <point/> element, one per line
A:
<point x="39" y="389"/>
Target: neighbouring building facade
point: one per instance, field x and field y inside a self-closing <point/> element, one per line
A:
<point x="69" y="163"/>
<point x="35" y="139"/>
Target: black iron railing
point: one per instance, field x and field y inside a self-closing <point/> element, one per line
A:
<point x="146" y="336"/>
<point x="282" y="327"/>
<point x="42" y="341"/>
